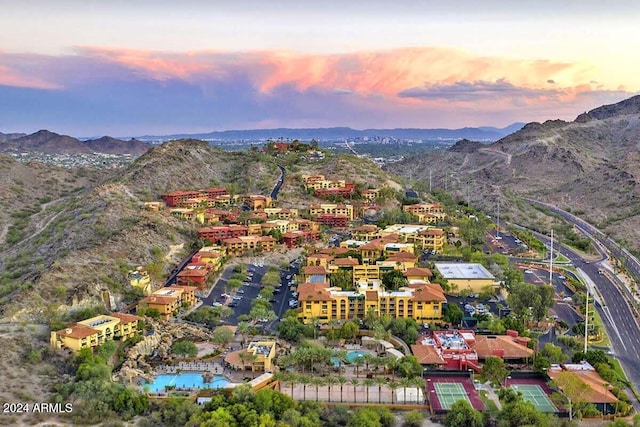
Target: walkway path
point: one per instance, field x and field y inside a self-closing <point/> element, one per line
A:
<point x="491" y="394"/>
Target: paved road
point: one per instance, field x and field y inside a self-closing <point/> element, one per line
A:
<point x="617" y="315"/>
<point x="278" y="186"/>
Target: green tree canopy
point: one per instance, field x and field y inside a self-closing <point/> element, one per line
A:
<point x="495" y="370"/>
<point x="462" y="414"/>
<point x="184" y="348"/>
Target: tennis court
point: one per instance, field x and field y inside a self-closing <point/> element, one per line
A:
<point x="450" y="393"/>
<point x="535" y="394"/>
<point x="444" y="391"/>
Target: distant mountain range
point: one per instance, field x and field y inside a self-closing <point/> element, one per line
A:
<point x="338" y="133"/>
<point x="48" y="142"/>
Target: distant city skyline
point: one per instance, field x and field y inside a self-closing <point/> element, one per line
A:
<point x="162" y="67"/>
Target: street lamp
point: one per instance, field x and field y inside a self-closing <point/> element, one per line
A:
<point x="506" y="379"/>
<point x="471" y="375"/>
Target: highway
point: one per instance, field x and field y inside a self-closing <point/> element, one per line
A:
<point x="613" y="306"/>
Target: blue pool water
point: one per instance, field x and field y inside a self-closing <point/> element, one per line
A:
<point x="185" y="380"/>
<point x="353" y="355"/>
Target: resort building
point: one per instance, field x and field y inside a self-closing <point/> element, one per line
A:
<point x="333" y="220"/>
<point x="466" y="276"/>
<point x="96" y="331"/>
<point x="195" y="274"/>
<point x="210" y="255"/>
<point x="420" y="302"/>
<point x="257" y="202"/>
<point x="598" y="391"/>
<point x="241" y="245"/>
<point x="281" y="213"/>
<point x="461" y="350"/>
<point x="169" y="300"/>
<point x="427" y="213"/>
<point x="295" y="238"/>
<point x="257" y="357"/>
<point x="173" y="198"/>
<point x="332" y="209"/>
<point x="370" y="194"/>
<point x="139" y="278"/>
<point x="220" y="233"/>
<point x="422" y="236"/>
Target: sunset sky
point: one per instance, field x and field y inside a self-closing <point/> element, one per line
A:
<point x="125" y="68"/>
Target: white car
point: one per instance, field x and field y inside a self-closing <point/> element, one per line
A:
<point x="528" y="271"/>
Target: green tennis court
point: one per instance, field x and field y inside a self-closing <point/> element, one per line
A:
<point x="535" y="394"/>
<point x="450" y="393"/>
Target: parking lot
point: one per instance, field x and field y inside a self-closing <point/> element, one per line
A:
<point x="240" y="300"/>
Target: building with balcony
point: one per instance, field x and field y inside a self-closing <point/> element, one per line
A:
<point x="173" y="198"/>
<point x="424" y="303"/>
<point x="257" y="357"/>
<point x="239" y="246"/>
<point x="169" y="300"/>
<point x="93" y="332"/>
<point x="332" y="209"/>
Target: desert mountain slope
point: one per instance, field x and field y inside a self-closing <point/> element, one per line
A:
<point x="48" y="142"/>
<point x="588" y="165"/>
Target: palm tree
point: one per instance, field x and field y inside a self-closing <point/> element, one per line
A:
<point x="317" y="381"/>
<point x="304" y="380"/>
<point x="340" y="356"/>
<point x="291" y="378"/>
<point x="330" y="381"/>
<point x="342" y="380"/>
<point x="393" y="386"/>
<point x="355" y="382"/>
<point x="368" y="382"/>
<point x="380" y="381"/>
<point x="358" y="362"/>
<point x="420" y="384"/>
<point x="404" y="383"/>
<point x="243" y="330"/>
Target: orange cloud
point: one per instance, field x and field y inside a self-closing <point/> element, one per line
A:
<point x="10" y="77"/>
<point x="385" y="72"/>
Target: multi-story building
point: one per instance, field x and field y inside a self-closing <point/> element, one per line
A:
<point x="299" y="237"/>
<point x="169" y="300"/>
<point x="423" y="236"/>
<point x="240" y="245"/>
<point x="257" y="202"/>
<point x="371" y="194"/>
<point x="281" y="213"/>
<point x="188" y="214"/>
<point x="283" y="225"/>
<point x="346" y="190"/>
<point x="210" y="255"/>
<point x="333" y="209"/>
<point x="333" y="220"/>
<point x="195" y="274"/>
<point x="420" y="302"/>
<point x="213" y="192"/>
<point x="96" y="331"/>
<point x="398" y="261"/>
<point x="174" y="197"/>
<point x="258" y="357"/>
<point x="219" y="233"/>
<point x="365" y="272"/>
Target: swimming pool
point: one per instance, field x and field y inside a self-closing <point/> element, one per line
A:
<point x="185" y="380"/>
<point x="352" y="356"/>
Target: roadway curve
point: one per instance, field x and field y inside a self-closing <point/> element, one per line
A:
<point x="278" y="186"/>
<point x="615" y="309"/>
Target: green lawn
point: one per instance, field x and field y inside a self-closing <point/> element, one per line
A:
<point x="491" y="405"/>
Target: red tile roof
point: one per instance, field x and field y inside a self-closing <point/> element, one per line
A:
<point x="313" y="292"/>
<point x="126" y="318"/>
<point x="77" y="331"/>
<point x="371" y="296"/>
<point x="314" y="269"/>
<point x="491" y="345"/>
<point x="345" y="261"/>
<point x="402" y="256"/>
<point x="427" y="293"/>
<point x="427" y="354"/>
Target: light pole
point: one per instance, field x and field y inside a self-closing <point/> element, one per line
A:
<point x="472" y="378"/>
<point x="506" y="379"/>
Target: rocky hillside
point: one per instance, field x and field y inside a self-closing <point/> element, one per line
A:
<point x="7" y="136"/>
<point x="47" y="142"/>
<point x="92" y="231"/>
<point x="588" y="165"/>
